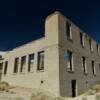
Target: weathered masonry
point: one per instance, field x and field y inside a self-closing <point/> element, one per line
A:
<point x="66" y="61"/>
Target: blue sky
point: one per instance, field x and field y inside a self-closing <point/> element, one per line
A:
<point x="22" y="21"/>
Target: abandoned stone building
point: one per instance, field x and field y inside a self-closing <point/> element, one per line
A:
<point x="66" y="61"/>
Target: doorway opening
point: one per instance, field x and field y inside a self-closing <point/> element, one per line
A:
<point x="74" y="88"/>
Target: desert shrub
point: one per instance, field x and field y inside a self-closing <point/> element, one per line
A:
<point x="90" y="92"/>
<point x="96" y="88"/>
<point x="93" y="90"/>
<point x="4" y="86"/>
<point x="18" y="98"/>
<point x="58" y="98"/>
<point x="44" y="96"/>
<point x="97" y="96"/>
<point x="2" y="82"/>
<point x="41" y="96"/>
<point x="84" y="98"/>
<point x="33" y="97"/>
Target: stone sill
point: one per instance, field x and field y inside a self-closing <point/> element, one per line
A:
<point x="94" y="75"/>
<point x="40" y="70"/>
<point x="85" y="73"/>
<point x="71" y="71"/>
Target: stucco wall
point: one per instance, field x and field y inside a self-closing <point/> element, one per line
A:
<point x="55" y="76"/>
<point x="83" y="80"/>
<point x="50" y="75"/>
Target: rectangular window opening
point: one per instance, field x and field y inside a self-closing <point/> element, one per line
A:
<point x="90" y="45"/>
<point x="93" y="68"/>
<point x="99" y="67"/>
<point x="23" y="63"/>
<point x="84" y="64"/>
<point x="68" y="30"/>
<point x="5" y="68"/>
<point x="1" y="66"/>
<point x="81" y="39"/>
<point x="70" y="60"/>
<point x="16" y="64"/>
<point x="31" y="63"/>
<point x="40" y="60"/>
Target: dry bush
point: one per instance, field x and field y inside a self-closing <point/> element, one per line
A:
<point x="44" y="96"/>
<point x="33" y="97"/>
<point x="96" y="88"/>
<point x="18" y="98"/>
<point x="97" y="96"/>
<point x="40" y="96"/>
<point x="58" y="98"/>
<point x="84" y="98"/>
<point x="4" y="86"/>
<point x="90" y="92"/>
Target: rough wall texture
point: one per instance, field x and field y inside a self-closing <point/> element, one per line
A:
<point x="56" y="77"/>
<point x="84" y="81"/>
<point x="50" y="75"/>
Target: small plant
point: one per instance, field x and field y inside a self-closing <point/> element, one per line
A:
<point x="97" y="96"/>
<point x="41" y="96"/>
<point x="18" y="98"/>
<point x="33" y="97"/>
<point x="84" y="98"/>
<point x="2" y="82"/>
<point x="4" y="86"/>
<point x="58" y="98"/>
<point x="91" y="92"/>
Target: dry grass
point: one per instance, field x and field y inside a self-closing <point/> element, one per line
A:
<point x="18" y="98"/>
<point x="97" y="96"/>
<point x="44" y="96"/>
<point x="84" y="98"/>
<point x="92" y="91"/>
<point x="40" y="96"/>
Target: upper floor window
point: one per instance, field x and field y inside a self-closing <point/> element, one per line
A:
<point x="5" y="67"/>
<point x="98" y="49"/>
<point x="82" y="39"/>
<point x="23" y="62"/>
<point x="40" y="60"/>
<point x="93" y="68"/>
<point x="90" y="45"/>
<point x="31" y="63"/>
<point x="68" y="30"/>
<point x="99" y="66"/>
<point x="16" y="64"/>
<point x="84" y="65"/>
<point x="70" y="60"/>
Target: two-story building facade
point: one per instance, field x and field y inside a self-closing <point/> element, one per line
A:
<point x="66" y="61"/>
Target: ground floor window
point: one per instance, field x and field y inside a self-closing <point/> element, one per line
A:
<point x="31" y="63"/>
<point x="5" y="67"/>
<point x="23" y="63"/>
<point x="16" y="64"/>
<point x="40" y="60"/>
